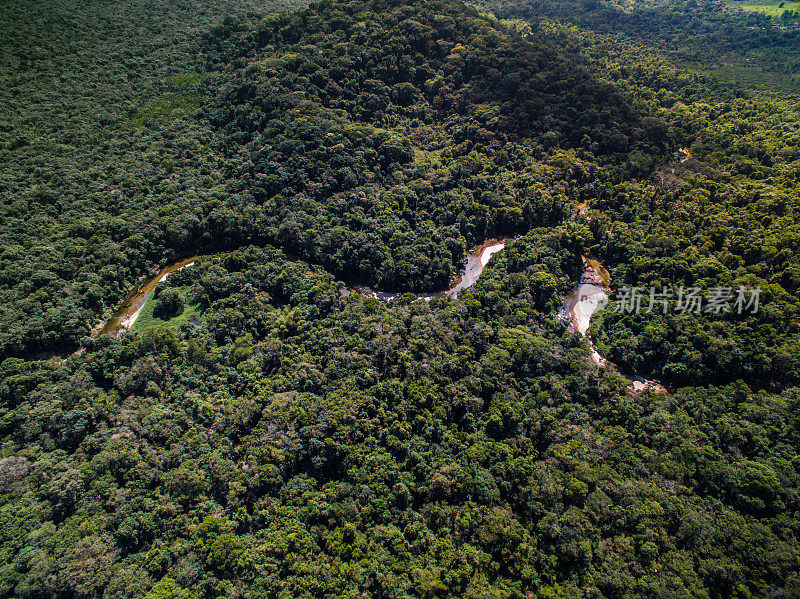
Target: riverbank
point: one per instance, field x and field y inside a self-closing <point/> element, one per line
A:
<point x="131" y="306"/>
<point x="477" y="259"/>
<point x="590" y="296"/>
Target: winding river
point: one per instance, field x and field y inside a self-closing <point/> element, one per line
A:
<point x="477" y="259"/>
<point x="591" y="295"/>
<point x="128" y="310"/>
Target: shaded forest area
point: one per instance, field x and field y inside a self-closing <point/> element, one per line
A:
<point x="88" y="191"/>
<point x="697" y="35"/>
<point x="725" y="218"/>
<point x="384" y="143"/>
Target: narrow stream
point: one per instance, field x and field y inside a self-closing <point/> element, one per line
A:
<point x="127" y="312"/>
<point x="133" y="302"/>
<point x="591" y="295"/>
<point x="477" y="259"/>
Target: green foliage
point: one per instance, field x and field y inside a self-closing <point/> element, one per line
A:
<point x="740" y="41"/>
<point x="168" y="303"/>
<point x="165" y="109"/>
<point x="773" y="8"/>
<point x="88" y="204"/>
<point x="190" y="315"/>
<point x="387" y="168"/>
<point x="303" y="440"/>
<point x="384" y="172"/>
<point x="167" y="588"/>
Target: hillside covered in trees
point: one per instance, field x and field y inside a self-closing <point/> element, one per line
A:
<point x="317" y="140"/>
<point x="266" y="430"/>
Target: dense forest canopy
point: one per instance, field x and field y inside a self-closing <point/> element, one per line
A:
<point x="90" y="195"/>
<point x="309" y="443"/>
<point x="381" y="144"/>
<point x="266" y="431"/>
<point x="457" y="140"/>
<point x="710" y="36"/>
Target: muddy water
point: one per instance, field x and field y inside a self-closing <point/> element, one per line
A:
<point x="127" y="312"/>
<point x="125" y="315"/>
<point x="578" y="310"/>
<point x="591" y="295"/>
<point x="477" y="259"/>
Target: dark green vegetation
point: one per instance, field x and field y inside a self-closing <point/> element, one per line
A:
<point x="320" y="141"/>
<point x="724" y="218"/>
<point x="710" y="36"/>
<point x="169" y="303"/>
<point x="101" y="176"/>
<point x="302" y="441"/>
<point x="382" y="142"/>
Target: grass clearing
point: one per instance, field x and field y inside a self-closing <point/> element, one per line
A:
<point x="773" y="8"/>
<point x="146" y="320"/>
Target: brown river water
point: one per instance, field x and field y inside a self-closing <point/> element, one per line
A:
<point x="591" y="295"/>
<point x="133" y="302"/>
<point x="477" y="259"/>
<point x="128" y="310"/>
